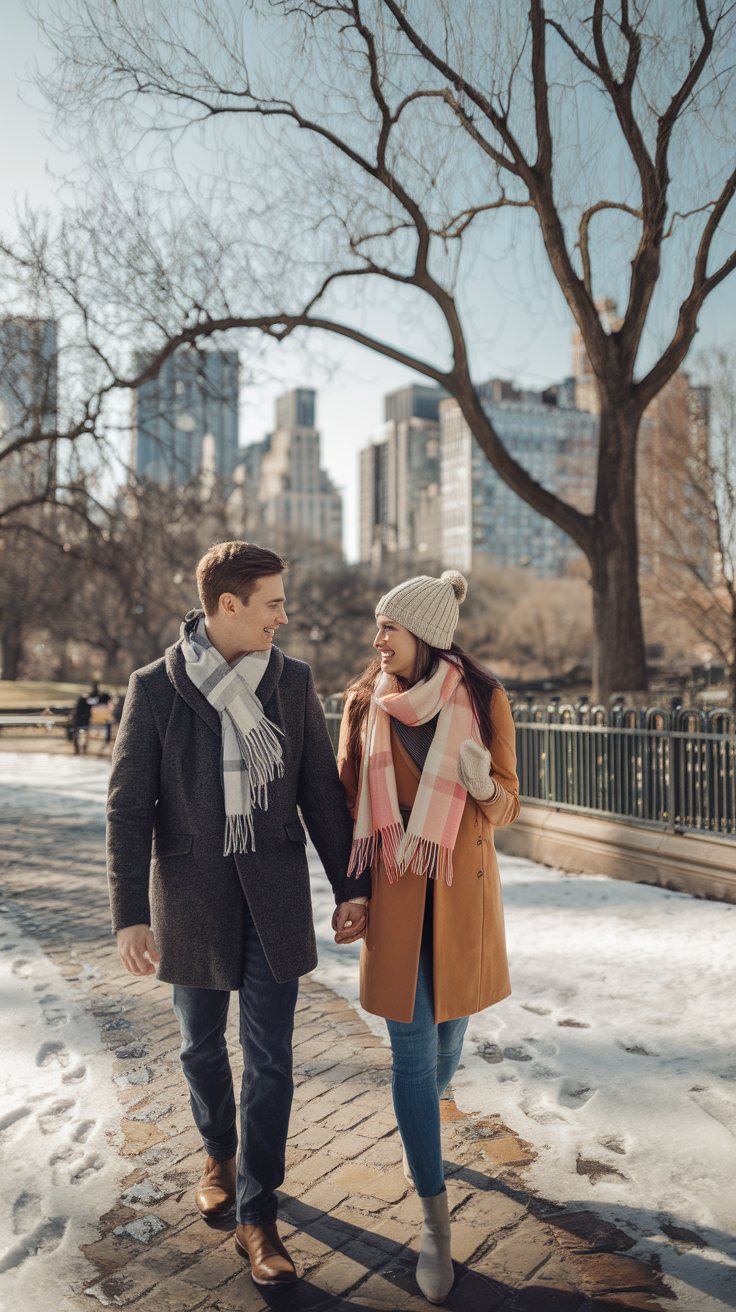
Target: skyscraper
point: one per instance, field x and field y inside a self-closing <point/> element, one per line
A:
<point x="481" y="516"/>
<point x="284" y="473"/>
<point x="187" y="416"/>
<point x="399" y="475"/>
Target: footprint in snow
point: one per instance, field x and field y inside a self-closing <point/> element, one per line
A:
<point x="539" y="1110"/>
<point x="22" y="968"/>
<point x="52" y="1050"/>
<point x="58" y="1114"/>
<point x="636" y="1049"/>
<point x="10" y="1118"/>
<point x="490" y="1052"/>
<point x="26" y="1213"/>
<point x="55" y="1016"/>
<point x="81" y="1132"/>
<point x="43" y="1239"/>
<point x="76" y="1075"/>
<point x="90" y="1164"/>
<point x="61" y="1154"/>
<point x="613" y="1145"/>
<point x="516" y="1054"/>
<point x="572" y="1024"/>
<point x="575" y="1094"/>
<point x="536" y="1011"/>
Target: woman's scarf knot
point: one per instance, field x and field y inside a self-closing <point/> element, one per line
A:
<point x="427" y="845"/>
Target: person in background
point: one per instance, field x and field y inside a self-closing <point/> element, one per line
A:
<point x="427" y="756"/>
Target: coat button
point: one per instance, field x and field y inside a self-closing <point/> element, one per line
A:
<point x="478" y="841"/>
<point x="480" y="872"/>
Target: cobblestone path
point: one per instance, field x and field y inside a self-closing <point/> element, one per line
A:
<point x="347" y="1214"/>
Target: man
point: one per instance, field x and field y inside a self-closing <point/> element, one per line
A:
<point x="220" y="741"/>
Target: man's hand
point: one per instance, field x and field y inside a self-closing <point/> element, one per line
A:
<point x="137" y="949"/>
<point x="350" y="922"/>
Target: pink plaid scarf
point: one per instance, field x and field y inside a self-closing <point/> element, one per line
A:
<point x="435" y="819"/>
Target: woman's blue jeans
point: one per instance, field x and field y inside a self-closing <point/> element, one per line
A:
<point x="266" y="1027"/>
<point x="425" y="1057"/>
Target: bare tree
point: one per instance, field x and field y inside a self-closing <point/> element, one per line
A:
<point x="374" y="142"/>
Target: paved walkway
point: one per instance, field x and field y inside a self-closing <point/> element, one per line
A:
<point x="347" y="1214"/>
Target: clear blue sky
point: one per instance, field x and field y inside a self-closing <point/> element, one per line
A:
<point x="530" y="347"/>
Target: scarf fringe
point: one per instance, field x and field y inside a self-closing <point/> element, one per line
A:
<point x="238" y="834"/>
<point x="430" y="860"/>
<point x="262" y="755"/>
<point x="365" y="851"/>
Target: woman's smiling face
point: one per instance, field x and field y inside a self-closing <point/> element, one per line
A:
<point x="396" y="646"/>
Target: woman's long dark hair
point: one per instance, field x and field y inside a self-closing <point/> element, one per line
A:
<point x="480" y="685"/>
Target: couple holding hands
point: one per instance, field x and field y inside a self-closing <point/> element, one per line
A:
<point x="222" y="758"/>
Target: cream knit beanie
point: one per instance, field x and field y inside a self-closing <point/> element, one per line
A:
<point x="427" y="607"/>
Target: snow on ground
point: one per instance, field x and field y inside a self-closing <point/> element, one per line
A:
<point x="59" y="1121"/>
<point x="614" y="1057"/>
<point x="59" y="1115"/>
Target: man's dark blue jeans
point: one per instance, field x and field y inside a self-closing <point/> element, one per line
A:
<point x="266" y="1029"/>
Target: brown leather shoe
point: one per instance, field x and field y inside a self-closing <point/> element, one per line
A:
<point x="270" y="1263"/>
<point x="216" y="1192"/>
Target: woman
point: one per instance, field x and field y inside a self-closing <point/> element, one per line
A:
<point x="427" y="757"/>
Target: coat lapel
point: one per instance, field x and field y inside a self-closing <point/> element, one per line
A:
<point x="176" y="670"/>
<point x="265" y="689"/>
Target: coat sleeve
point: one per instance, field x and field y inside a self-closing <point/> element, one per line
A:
<point x="321" y="797"/>
<point x="131" y="808"/>
<point x="505" y="808"/>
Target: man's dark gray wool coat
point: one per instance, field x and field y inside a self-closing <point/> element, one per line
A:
<point x="166" y="792"/>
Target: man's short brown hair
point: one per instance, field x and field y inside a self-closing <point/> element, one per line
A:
<point x="234" y="567"/>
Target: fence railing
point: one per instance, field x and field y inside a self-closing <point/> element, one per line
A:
<point x="663" y="770"/>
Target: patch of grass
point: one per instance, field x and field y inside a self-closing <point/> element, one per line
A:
<point x="17" y="694"/>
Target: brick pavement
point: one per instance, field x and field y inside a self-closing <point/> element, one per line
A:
<point x="347" y="1214"/>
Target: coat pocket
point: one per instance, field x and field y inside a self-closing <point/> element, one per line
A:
<point x="172" y="845"/>
<point x="295" y="832"/>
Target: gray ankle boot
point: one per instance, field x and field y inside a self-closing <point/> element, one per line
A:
<point x="435" y="1272"/>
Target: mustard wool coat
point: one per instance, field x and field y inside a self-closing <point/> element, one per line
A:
<point x="470" y="964"/>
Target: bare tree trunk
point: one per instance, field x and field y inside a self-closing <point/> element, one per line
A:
<point x="619" y="654"/>
<point x="12" y="645"/>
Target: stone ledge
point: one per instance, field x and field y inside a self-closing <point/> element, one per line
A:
<point x="703" y="865"/>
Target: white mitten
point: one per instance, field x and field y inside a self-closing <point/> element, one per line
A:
<point x="474" y="772"/>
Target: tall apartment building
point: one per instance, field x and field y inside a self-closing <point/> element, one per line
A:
<point x="28" y="403"/>
<point x="399" y="475"/>
<point x="481" y="516"/>
<point x="284" y="475"/>
<point x="186" y="418"/>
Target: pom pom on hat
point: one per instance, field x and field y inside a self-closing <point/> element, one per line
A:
<point x="427" y="607"/>
<point x="457" y="582"/>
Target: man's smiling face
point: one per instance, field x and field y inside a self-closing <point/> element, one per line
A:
<point x="238" y="627"/>
<point x="255" y="621"/>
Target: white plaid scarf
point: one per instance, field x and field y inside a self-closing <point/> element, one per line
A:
<point x="251" y="752"/>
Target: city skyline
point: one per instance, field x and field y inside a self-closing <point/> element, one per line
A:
<point x="519" y="331"/>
